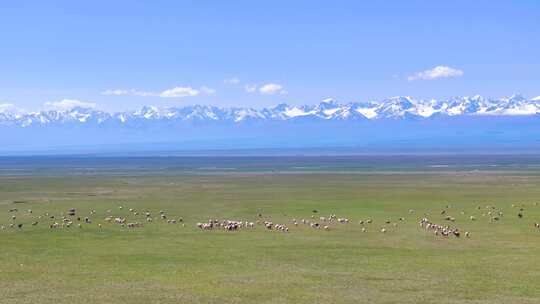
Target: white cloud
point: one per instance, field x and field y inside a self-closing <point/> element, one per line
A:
<point x="116" y="92"/>
<point x="179" y="92"/>
<point x="9" y="108"/>
<point x="436" y="73"/>
<point x="6" y="106"/>
<point x="207" y="90"/>
<point x="250" y="88"/>
<point x="142" y="93"/>
<point x="67" y="104"/>
<point x="271" y="89"/>
<point x="232" y="81"/>
<point x="122" y="92"/>
<point x="174" y="92"/>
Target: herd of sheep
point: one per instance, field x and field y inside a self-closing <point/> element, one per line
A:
<point x="136" y="219"/>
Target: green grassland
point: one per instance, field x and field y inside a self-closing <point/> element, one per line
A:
<point x="172" y="263"/>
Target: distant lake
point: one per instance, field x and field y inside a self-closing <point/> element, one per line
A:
<point x="181" y="165"/>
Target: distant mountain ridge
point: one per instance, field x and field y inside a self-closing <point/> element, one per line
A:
<point x="400" y="107"/>
<point x="393" y="124"/>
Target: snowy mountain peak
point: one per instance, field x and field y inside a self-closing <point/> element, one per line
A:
<point x="399" y="107"/>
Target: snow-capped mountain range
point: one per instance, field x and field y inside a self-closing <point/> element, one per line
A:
<point x="391" y="108"/>
<point x="394" y="124"/>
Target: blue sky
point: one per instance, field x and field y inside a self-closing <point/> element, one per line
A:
<point x="124" y="54"/>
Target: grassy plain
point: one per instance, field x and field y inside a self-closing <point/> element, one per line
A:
<point x="168" y="263"/>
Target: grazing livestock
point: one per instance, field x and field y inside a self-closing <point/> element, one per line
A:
<point x="133" y="220"/>
<point x="449" y="218"/>
<point x="343" y="220"/>
<point x="205" y="226"/>
<point x="439" y="229"/>
<point x="134" y="225"/>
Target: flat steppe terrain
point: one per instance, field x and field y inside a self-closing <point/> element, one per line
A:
<point x="165" y="262"/>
